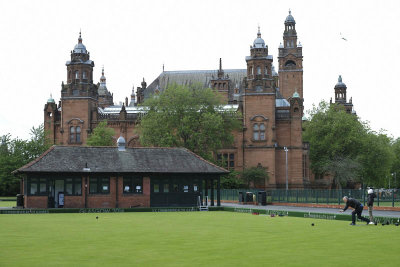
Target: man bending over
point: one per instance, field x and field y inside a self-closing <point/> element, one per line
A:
<point x="358" y="209"/>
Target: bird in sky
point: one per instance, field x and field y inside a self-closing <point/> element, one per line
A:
<point x="341" y="37"/>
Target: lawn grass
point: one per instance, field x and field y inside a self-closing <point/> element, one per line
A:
<point x="192" y="239"/>
<point x="8" y="204"/>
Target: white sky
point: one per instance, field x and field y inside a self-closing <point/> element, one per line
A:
<point x="132" y="39"/>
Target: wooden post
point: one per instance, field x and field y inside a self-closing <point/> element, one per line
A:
<point x="219" y="191"/>
<point x="212" y="192"/>
<point x="205" y="191"/>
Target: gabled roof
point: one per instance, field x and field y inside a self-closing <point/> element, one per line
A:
<point x="190" y="77"/>
<point x="73" y="159"/>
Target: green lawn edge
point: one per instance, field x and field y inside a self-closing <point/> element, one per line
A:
<point x="303" y="214"/>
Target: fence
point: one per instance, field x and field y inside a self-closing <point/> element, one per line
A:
<point x="385" y="197"/>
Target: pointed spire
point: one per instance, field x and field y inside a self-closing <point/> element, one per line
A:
<point x="80" y="37"/>
<point x="340" y="79"/>
<point x="102" y="78"/>
<point x="290" y="12"/>
<point x="220" y="64"/>
<point x="258" y="33"/>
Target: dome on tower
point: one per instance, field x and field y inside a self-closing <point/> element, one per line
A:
<point x="289" y="18"/>
<point x="79" y="47"/>
<point x="340" y="84"/>
<point x="259" y="42"/>
<point x="51" y="99"/>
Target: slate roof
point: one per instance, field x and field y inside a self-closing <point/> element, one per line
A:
<point x="71" y="159"/>
<point x="189" y="77"/>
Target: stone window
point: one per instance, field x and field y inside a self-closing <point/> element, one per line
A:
<point x="99" y="185"/>
<point x="258" y="70"/>
<point x="72" y="134"/>
<point x="78" y="134"/>
<point x="134" y="185"/>
<point x="84" y="75"/>
<point x="75" y="134"/>
<point x="77" y="74"/>
<point x="258" y="131"/>
<point x="227" y="160"/>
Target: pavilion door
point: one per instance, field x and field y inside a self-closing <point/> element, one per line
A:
<point x="174" y="192"/>
<point x="59" y="193"/>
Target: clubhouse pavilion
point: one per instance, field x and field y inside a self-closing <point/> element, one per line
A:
<point x="118" y="177"/>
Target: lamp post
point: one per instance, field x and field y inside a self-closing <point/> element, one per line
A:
<point x="286" y="151"/>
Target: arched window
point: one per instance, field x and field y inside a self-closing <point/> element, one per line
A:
<point x="84" y="75"/>
<point x="259" y="131"/>
<point x="251" y="71"/>
<point x="258" y="70"/>
<point x="266" y="70"/>
<point x="72" y="134"/>
<point x="78" y="134"/>
<point x="77" y="74"/>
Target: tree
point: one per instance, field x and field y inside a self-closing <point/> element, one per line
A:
<point x="377" y="159"/>
<point x="14" y="153"/>
<point x="254" y="175"/>
<point x="346" y="148"/>
<point x="101" y="136"/>
<point x="335" y="137"/>
<point x="190" y="117"/>
<point x="232" y="180"/>
<point x="395" y="170"/>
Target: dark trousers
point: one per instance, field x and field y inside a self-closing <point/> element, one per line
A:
<point x="358" y="210"/>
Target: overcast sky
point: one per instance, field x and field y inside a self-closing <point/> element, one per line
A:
<point x="133" y="39"/>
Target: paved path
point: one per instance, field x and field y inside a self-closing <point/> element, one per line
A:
<point x="309" y="209"/>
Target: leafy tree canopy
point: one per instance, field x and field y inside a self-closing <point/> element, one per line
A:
<point x="101" y="136"/>
<point x="190" y="117"/>
<point x="14" y="153"/>
<point x="254" y="175"/>
<point x="342" y="145"/>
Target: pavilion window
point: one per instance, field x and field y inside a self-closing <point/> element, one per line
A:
<point x="73" y="186"/>
<point x="37" y="186"/>
<point x="166" y="188"/>
<point x="84" y="75"/>
<point x="33" y="186"/>
<point x="134" y="185"/>
<point x="99" y="185"/>
<point x="76" y="74"/>
<point x="258" y="71"/>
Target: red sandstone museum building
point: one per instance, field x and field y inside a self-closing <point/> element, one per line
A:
<point x="270" y="103"/>
<point x="117" y="177"/>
